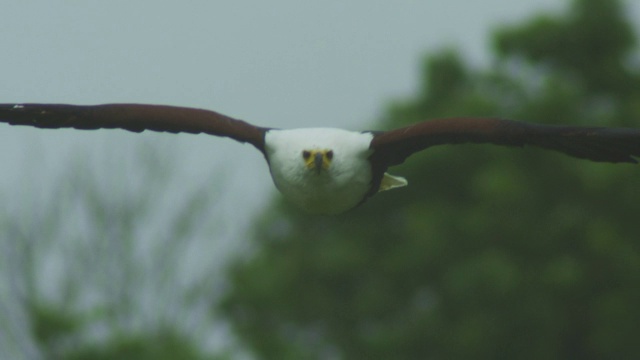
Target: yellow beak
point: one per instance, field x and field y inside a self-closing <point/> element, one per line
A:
<point x="317" y="159"/>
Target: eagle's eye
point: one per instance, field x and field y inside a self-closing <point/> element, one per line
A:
<point x="330" y="154"/>
<point x="306" y="154"/>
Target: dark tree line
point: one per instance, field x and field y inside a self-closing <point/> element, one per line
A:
<point x="489" y="252"/>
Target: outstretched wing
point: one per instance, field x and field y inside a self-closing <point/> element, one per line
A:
<point x="132" y="117"/>
<point x="603" y="144"/>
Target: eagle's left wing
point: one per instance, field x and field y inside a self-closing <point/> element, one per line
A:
<point x="133" y="117"/>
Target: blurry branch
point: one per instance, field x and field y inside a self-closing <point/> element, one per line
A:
<point x="99" y="265"/>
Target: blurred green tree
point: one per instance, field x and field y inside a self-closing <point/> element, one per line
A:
<point x="490" y="253"/>
<point x="99" y="274"/>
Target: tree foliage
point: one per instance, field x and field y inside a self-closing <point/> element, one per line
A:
<point x="490" y="252"/>
<point x="100" y="274"/>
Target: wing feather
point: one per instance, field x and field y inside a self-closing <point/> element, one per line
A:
<point x="603" y="144"/>
<point x="133" y="117"/>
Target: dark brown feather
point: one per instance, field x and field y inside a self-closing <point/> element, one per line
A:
<point x="132" y="117"/>
<point x="613" y="145"/>
<point x="593" y="143"/>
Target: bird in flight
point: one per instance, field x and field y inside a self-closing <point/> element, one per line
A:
<point x="327" y="170"/>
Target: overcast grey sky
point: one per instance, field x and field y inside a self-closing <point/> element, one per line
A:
<point x="279" y="63"/>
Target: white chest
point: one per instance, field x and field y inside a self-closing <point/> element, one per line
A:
<point x="333" y="190"/>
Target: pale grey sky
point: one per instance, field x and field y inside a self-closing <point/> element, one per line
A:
<point x="279" y="63"/>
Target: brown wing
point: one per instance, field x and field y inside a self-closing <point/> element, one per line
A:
<point x="132" y="117"/>
<point x="594" y="143"/>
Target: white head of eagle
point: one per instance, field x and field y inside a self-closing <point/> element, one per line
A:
<point x="321" y="170"/>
